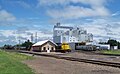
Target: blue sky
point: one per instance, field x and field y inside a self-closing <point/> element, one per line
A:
<point x="19" y="19"/>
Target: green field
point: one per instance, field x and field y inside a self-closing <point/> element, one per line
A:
<point x="10" y="63"/>
<point x="111" y="52"/>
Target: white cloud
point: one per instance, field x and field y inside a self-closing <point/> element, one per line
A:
<point x="23" y="4"/>
<point x="103" y="29"/>
<point x="51" y="2"/>
<point x="64" y="2"/>
<point x="69" y="11"/>
<point x="116" y="13"/>
<point x="6" y="16"/>
<point x="8" y="36"/>
<point x="75" y="12"/>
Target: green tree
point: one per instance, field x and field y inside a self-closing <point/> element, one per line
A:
<point x="112" y="42"/>
<point x="27" y="44"/>
<point x="9" y="47"/>
<point x="118" y="45"/>
<point x="102" y="42"/>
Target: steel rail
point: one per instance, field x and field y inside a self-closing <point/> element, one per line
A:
<point x="98" y="62"/>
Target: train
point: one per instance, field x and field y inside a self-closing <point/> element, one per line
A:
<point x="64" y="47"/>
<point x="91" y="47"/>
<point x="86" y="47"/>
<point x="67" y="47"/>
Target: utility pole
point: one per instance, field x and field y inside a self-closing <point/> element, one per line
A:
<point x="18" y="47"/>
<point x="31" y="37"/>
<point x="35" y="37"/>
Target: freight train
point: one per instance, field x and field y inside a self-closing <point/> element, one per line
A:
<point x="86" y="47"/>
<point x="64" y="47"/>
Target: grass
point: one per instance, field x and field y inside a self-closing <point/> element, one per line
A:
<point x="117" y="52"/>
<point x="10" y="63"/>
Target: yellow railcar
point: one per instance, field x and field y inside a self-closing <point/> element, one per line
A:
<point x="65" y="47"/>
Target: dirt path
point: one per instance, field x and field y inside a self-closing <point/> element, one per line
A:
<point x="46" y="65"/>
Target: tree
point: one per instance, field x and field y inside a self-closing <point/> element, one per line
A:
<point x="8" y="47"/>
<point x="27" y="44"/>
<point x="118" y="45"/>
<point x="112" y="42"/>
<point x="102" y="42"/>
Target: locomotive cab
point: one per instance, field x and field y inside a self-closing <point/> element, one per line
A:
<point x="65" y="47"/>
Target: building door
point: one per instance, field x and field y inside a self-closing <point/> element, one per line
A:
<point x="44" y="49"/>
<point x="48" y="49"/>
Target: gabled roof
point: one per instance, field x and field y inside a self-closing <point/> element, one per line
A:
<point x="42" y="42"/>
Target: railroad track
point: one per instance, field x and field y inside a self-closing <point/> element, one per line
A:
<point x="98" y="62"/>
<point x="87" y="52"/>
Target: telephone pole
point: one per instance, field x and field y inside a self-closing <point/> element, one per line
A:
<point x="31" y="37"/>
<point x="35" y="37"/>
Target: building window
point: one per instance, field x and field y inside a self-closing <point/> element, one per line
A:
<point x="52" y="48"/>
<point x="64" y="38"/>
<point x="44" y="48"/>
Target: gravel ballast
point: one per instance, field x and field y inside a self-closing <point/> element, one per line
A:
<point x="47" y="65"/>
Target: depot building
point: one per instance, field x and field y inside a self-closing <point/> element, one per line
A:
<point x="44" y="46"/>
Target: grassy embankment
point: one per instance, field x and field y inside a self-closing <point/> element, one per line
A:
<point x="116" y="52"/>
<point x="10" y="63"/>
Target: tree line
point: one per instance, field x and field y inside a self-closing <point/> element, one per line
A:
<point x="24" y="46"/>
<point x="112" y="42"/>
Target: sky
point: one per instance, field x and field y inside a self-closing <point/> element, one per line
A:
<point x="19" y="19"/>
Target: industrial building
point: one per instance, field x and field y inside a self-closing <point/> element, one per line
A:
<point x="66" y="34"/>
<point x="71" y="35"/>
<point x="66" y="39"/>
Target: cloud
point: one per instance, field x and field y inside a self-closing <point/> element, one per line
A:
<point x="21" y="30"/>
<point x="52" y="2"/>
<point x="6" y="16"/>
<point x="65" y="2"/>
<point x="12" y="36"/>
<point x="24" y="4"/>
<point x="68" y="11"/>
<point x="21" y="3"/>
<point x="103" y="29"/>
<point x="7" y="40"/>
<point x="116" y="13"/>
<point x="75" y="12"/>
